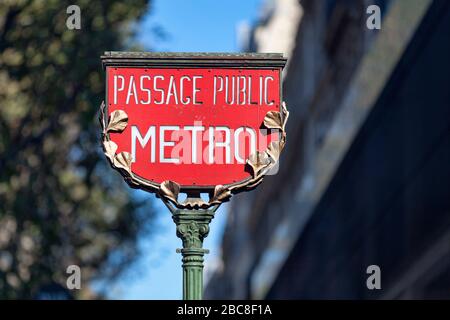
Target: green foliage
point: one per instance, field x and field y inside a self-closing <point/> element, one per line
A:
<point x="60" y="203"/>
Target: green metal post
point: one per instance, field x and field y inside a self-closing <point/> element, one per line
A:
<point x="192" y="228"/>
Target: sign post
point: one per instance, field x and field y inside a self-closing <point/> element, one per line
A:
<point x="202" y="125"/>
<point x="192" y="228"/>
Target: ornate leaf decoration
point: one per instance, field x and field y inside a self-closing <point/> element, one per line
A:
<point x="170" y="190"/>
<point x="123" y="161"/>
<point x="285" y="119"/>
<point x="272" y="120"/>
<point x="131" y="181"/>
<point x="110" y="148"/>
<point x="285" y="115"/>
<point x="118" y="121"/>
<point x="101" y="117"/>
<point x="254" y="183"/>
<point x="258" y="161"/>
<point x="195" y="203"/>
<point x="221" y="194"/>
<point x="273" y="150"/>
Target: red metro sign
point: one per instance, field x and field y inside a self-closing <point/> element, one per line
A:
<point x="193" y="123"/>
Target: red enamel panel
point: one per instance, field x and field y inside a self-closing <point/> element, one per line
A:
<point x="194" y="126"/>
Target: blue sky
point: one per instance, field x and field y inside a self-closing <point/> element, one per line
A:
<point x="197" y="25"/>
<point x="190" y="26"/>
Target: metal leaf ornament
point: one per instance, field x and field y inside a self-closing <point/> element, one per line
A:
<point x="110" y="148"/>
<point x="118" y="121"/>
<point x="221" y="194"/>
<point x="101" y="118"/>
<point x="123" y="161"/>
<point x="273" y="120"/>
<point x="285" y="114"/>
<point x="195" y="203"/>
<point x="273" y="150"/>
<point x="258" y="161"/>
<point x="170" y="190"/>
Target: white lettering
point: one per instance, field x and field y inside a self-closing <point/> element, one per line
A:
<point x="195" y="129"/>
<point x="216" y="90"/>
<point x="266" y="90"/>
<point x="135" y="134"/>
<point x="237" y="142"/>
<point x="161" y="101"/>
<point x="116" y="77"/>
<point x="145" y="89"/>
<point x="195" y="89"/>
<point x="131" y="91"/>
<point x="188" y="98"/>
<point x="221" y="144"/>
<point x="163" y="144"/>
<point x="172" y="91"/>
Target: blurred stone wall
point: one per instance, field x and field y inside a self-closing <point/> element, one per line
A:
<point x="338" y="69"/>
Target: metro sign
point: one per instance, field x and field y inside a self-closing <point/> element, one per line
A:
<point x="193" y="123"/>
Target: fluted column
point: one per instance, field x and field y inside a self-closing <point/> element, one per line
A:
<point x="192" y="228"/>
